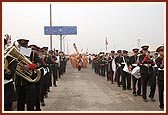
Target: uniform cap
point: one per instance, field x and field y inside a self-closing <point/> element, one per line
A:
<point x="125" y="51"/>
<point x="112" y="51"/>
<point x="51" y="51"/>
<point x="135" y="50"/>
<point x="33" y="47"/>
<point x="119" y="51"/>
<point x="22" y="41"/>
<point x="161" y="48"/>
<point x="145" y="47"/>
<point x="45" y="48"/>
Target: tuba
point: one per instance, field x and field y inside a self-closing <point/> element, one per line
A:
<point x="21" y="60"/>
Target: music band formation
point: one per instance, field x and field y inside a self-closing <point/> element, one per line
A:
<point x="30" y="71"/>
<point x="141" y="70"/>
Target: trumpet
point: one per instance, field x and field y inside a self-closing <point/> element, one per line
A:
<point x="21" y="60"/>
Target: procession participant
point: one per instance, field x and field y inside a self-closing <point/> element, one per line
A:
<point x="102" y="64"/>
<point x="85" y="60"/>
<point x="107" y="59"/>
<point x="53" y="67"/>
<point x="43" y="79"/>
<point x="9" y="73"/>
<point x="61" y="68"/>
<point x="26" y="91"/>
<point x="146" y="71"/>
<point x="134" y="60"/>
<point x="126" y="77"/>
<point x="35" y="48"/>
<point x="47" y="76"/>
<point x="160" y="65"/>
<point x="111" y="68"/>
<point x="118" y="68"/>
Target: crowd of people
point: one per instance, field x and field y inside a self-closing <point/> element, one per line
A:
<point x="79" y="60"/>
<point x="141" y="69"/>
<point x="29" y="72"/>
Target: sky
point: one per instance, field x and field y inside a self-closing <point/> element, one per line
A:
<point x="121" y="23"/>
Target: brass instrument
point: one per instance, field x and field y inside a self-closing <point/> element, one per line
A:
<point x="6" y="66"/>
<point x="21" y="60"/>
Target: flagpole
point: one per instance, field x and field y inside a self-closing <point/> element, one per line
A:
<point x="50" y="28"/>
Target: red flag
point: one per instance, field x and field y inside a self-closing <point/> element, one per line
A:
<point x="106" y="43"/>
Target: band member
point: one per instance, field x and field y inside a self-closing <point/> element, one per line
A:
<point x="111" y="69"/>
<point x="62" y="63"/>
<point x="126" y="77"/>
<point x="46" y="76"/>
<point x="146" y="71"/>
<point x="43" y="79"/>
<point x="102" y="65"/>
<point x="118" y="68"/>
<point x="34" y="48"/>
<point x="160" y="64"/>
<point x="95" y="64"/>
<point x="47" y="61"/>
<point x="107" y="66"/>
<point x="53" y="66"/>
<point x="134" y="60"/>
<point x="26" y="91"/>
<point x="9" y="92"/>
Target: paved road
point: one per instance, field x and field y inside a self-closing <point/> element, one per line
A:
<point x="85" y="91"/>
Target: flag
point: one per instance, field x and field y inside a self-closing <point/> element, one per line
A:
<point x="106" y="43"/>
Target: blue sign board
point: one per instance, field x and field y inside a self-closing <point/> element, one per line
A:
<point x="61" y="30"/>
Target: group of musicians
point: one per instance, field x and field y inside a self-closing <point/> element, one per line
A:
<point x="79" y="59"/>
<point x="119" y="67"/>
<point x="52" y="65"/>
<point x="46" y="68"/>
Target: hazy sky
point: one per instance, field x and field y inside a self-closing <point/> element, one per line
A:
<point x="121" y="23"/>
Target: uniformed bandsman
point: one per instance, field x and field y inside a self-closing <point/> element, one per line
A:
<point x="9" y="92"/>
<point x="134" y="60"/>
<point x="118" y="68"/>
<point x="126" y="77"/>
<point x="35" y="49"/>
<point x="53" y="66"/>
<point x="26" y="91"/>
<point x="111" y="68"/>
<point x="146" y="71"/>
<point x="160" y="64"/>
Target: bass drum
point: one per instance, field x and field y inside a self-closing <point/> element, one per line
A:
<point x="136" y="72"/>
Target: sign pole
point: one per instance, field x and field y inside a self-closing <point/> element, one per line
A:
<point x="60" y="42"/>
<point x="50" y="28"/>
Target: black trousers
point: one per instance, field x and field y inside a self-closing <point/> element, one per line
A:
<point x="126" y="77"/>
<point x="8" y="107"/>
<point x="9" y="96"/>
<point x="145" y="78"/>
<point x="102" y="70"/>
<point x="37" y="104"/>
<point x="152" y="83"/>
<point x="118" y="75"/>
<point x="55" y="77"/>
<point x="47" y="82"/>
<point x="134" y="82"/>
<point x="111" y="76"/>
<point x="43" y="87"/>
<point x="161" y="89"/>
<point x="26" y="95"/>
